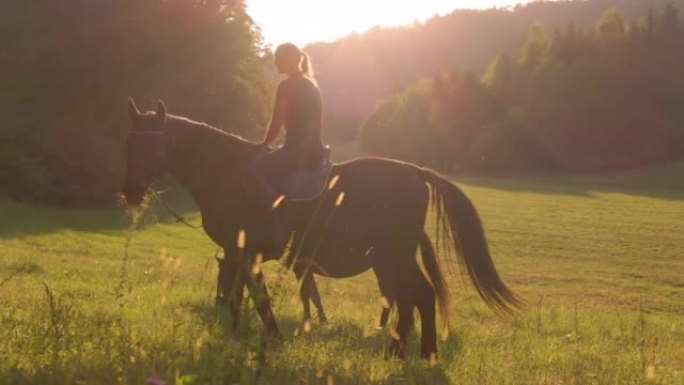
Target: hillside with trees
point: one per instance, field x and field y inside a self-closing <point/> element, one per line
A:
<point x="573" y="99"/>
<point x="69" y="66"/>
<point x="358" y="71"/>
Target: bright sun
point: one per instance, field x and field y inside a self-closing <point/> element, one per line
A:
<point x="307" y="21"/>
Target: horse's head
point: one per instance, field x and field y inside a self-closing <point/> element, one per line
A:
<point x="147" y="151"/>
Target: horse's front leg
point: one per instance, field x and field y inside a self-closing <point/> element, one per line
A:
<point x="235" y="300"/>
<point x="316" y="299"/>
<point x="262" y="301"/>
<point x="230" y="287"/>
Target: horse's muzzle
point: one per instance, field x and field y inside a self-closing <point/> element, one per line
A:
<point x="134" y="194"/>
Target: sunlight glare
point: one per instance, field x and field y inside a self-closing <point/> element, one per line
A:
<point x="307" y="21"/>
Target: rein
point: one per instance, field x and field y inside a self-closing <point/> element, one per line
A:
<point x="175" y="215"/>
<point x="154" y="193"/>
<point x="157" y="133"/>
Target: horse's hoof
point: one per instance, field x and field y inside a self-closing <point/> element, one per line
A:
<point x="396" y="350"/>
<point x="274" y="334"/>
<point x="431" y="357"/>
<point x="303" y="328"/>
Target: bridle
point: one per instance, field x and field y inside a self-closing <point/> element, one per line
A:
<point x="178" y="217"/>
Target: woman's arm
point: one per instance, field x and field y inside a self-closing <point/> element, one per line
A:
<point x="278" y="117"/>
<point x="320" y="113"/>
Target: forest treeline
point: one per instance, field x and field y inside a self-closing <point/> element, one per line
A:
<point x="357" y="71"/>
<point x="68" y="67"/>
<point x="573" y="99"/>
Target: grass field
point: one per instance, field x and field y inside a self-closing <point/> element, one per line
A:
<point x="86" y="300"/>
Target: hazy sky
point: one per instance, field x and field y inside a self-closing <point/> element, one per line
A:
<point x="306" y="21"/>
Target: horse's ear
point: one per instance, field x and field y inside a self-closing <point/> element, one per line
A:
<point x="133" y="112"/>
<point x="161" y="110"/>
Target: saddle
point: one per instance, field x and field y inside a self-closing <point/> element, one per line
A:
<point x="310" y="182"/>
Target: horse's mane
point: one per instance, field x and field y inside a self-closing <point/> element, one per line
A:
<point x="183" y="123"/>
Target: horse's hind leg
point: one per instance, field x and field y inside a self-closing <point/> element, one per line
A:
<point x="387" y="292"/>
<point x="396" y="278"/>
<point x="309" y="291"/>
<point x="426" y="308"/>
<point x="397" y="346"/>
<point x="415" y="291"/>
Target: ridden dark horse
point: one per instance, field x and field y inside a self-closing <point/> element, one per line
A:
<point x="210" y="178"/>
<point x="372" y="216"/>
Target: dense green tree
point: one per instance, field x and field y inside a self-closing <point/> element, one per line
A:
<point x="70" y="65"/>
<point x="357" y="71"/>
<point x="536" y="48"/>
<point x="611" y="27"/>
<point x="602" y="99"/>
<point x="670" y="18"/>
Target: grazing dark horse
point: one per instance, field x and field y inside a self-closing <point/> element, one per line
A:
<point x="372" y="216"/>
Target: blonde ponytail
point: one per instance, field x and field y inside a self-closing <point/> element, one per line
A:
<point x="306" y="67"/>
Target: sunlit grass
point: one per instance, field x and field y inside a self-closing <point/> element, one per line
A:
<point x="601" y="267"/>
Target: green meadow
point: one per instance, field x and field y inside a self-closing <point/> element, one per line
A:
<point x="86" y="298"/>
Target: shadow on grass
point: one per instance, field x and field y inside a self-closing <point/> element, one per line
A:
<point x="341" y="352"/>
<point x="342" y="336"/>
<point x="661" y="181"/>
<point x="527" y="184"/>
<point x="18" y="269"/>
<point x="19" y="219"/>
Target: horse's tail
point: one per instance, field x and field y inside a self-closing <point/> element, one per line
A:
<point x="434" y="273"/>
<point x="458" y="221"/>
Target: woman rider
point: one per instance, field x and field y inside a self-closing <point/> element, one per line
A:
<point x="299" y="109"/>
